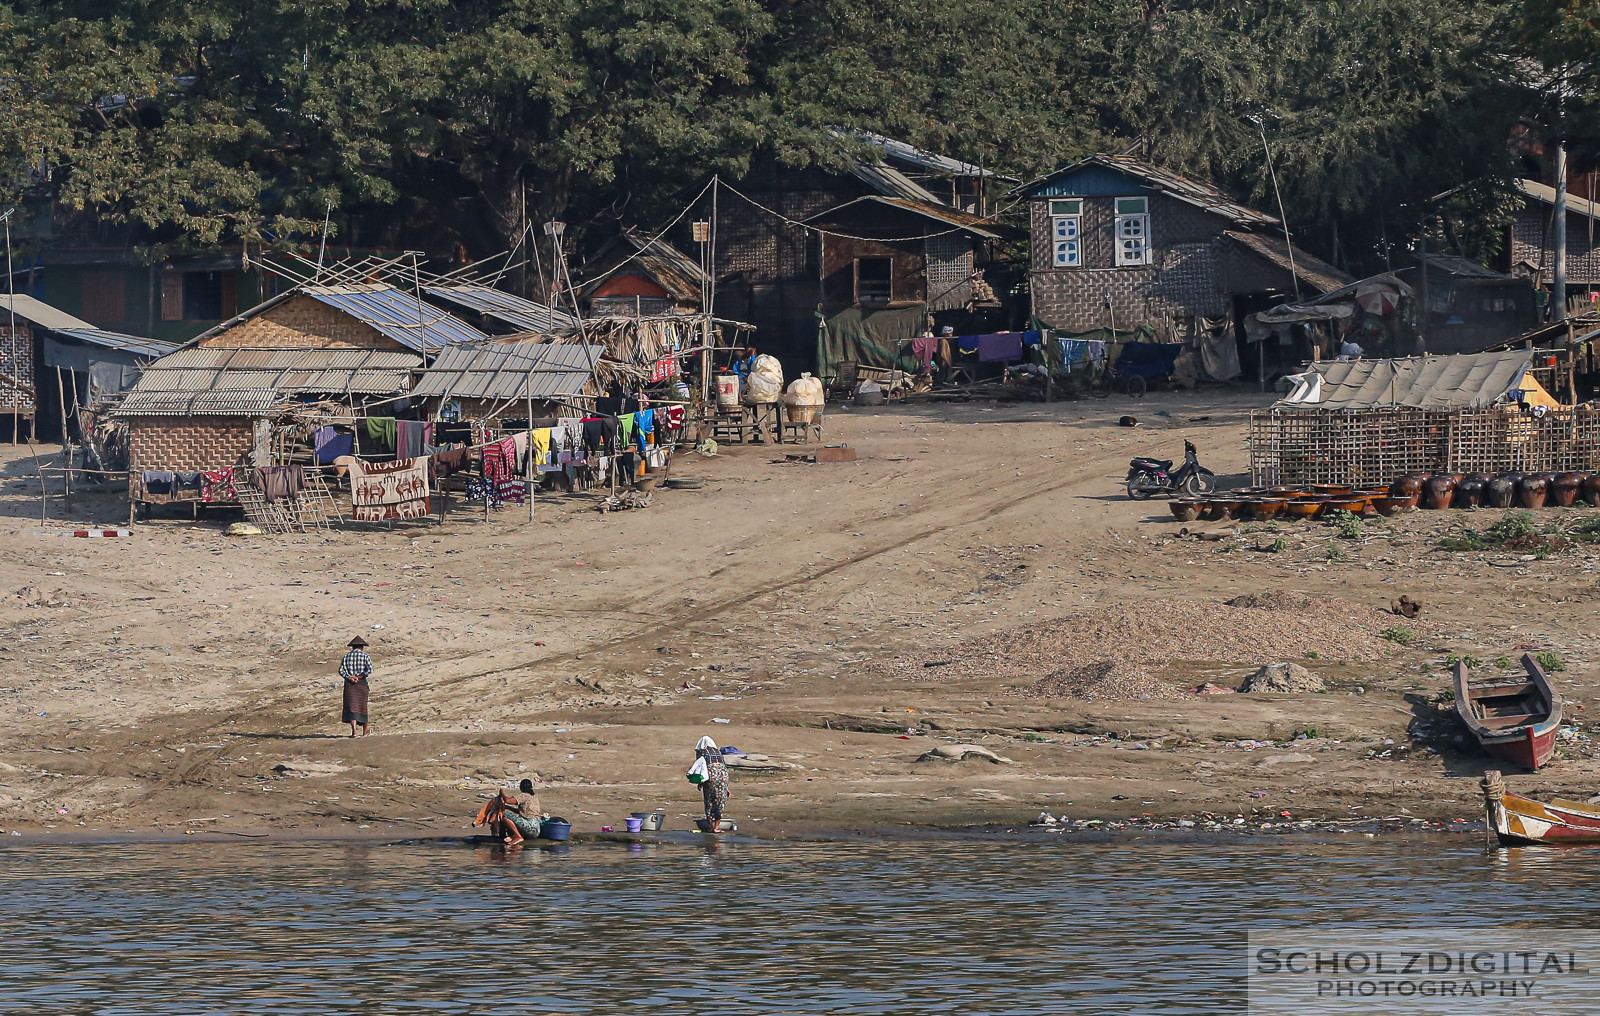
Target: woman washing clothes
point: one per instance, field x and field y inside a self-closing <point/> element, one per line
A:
<point x="510" y="818"/>
<point x="714" y="789"/>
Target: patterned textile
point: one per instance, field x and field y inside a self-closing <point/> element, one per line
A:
<point x="480" y="490"/>
<point x="356" y="663"/>
<point x="714" y="790"/>
<point x="499" y="469"/>
<point x="217" y="485"/>
<point x="386" y="491"/>
<point x="664" y="368"/>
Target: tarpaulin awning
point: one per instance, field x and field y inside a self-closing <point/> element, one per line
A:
<point x="1148" y="359"/>
<point x="870" y="338"/>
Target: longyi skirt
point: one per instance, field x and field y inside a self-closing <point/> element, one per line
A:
<point x="355" y="701"/>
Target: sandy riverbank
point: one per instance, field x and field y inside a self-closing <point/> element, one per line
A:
<point x="184" y="680"/>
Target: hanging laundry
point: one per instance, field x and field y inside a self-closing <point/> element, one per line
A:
<point x="923" y="349"/>
<point x="645" y="422"/>
<point x="675" y="416"/>
<point x="217" y="485"/>
<point x="541" y="447"/>
<point x="1097" y="351"/>
<point x="522" y="443"/>
<point x="330" y="444"/>
<point x="448" y="463"/>
<point x="159" y="481"/>
<point x="187" y="481"/>
<point x="389" y="491"/>
<point x="382" y="430"/>
<point x="1000" y="347"/>
<point x="625" y="425"/>
<point x="592" y="434"/>
<point x="967" y="345"/>
<point x="276" y="482"/>
<point x="411" y="435"/>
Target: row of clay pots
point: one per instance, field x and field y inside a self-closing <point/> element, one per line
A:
<point x="1264" y="503"/>
<point x="1505" y="490"/>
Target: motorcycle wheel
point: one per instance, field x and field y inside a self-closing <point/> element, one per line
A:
<point x="1141" y="485"/>
<point x="1200" y="483"/>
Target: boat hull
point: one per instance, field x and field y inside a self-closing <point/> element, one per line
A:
<point x="1531" y="748"/>
<point x="1522" y="821"/>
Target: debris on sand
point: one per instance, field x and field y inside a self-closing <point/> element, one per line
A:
<point x="1103" y="680"/>
<point x="1208" y="688"/>
<point x="957" y="752"/>
<point x="1273" y="599"/>
<point x="1282" y="678"/>
<point x="1157" y="632"/>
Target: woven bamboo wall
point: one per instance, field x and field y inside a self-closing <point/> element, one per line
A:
<point x="1372" y="447"/>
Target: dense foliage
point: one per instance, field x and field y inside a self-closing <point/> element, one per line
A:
<point x="221" y="121"/>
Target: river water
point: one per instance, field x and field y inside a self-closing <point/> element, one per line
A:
<point x="912" y="927"/>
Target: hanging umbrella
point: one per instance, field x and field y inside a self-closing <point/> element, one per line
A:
<point x="1376" y="298"/>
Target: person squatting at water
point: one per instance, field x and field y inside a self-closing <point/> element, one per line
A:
<point x="510" y="818"/>
<point x="355" y="668"/>
<point x="714" y="787"/>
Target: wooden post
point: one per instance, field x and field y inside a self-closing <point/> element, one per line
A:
<point x="61" y="396"/>
<point x="527" y="389"/>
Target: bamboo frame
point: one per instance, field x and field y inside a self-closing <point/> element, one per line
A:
<point x="1371" y="447"/>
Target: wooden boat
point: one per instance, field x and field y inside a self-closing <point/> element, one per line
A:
<point x="1519" y="821"/>
<point x="1512" y="717"/>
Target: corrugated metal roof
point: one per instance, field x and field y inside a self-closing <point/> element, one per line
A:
<point x="524" y="315"/>
<point x="209" y="403"/>
<point x="964" y="221"/>
<point x="263" y="358"/>
<point x="1464" y="381"/>
<point x="1456" y="265"/>
<point x="1547" y="194"/>
<point x="921" y="157"/>
<point x="1309" y="269"/>
<point x="509" y="370"/>
<point x="135" y="344"/>
<point x="1195" y="192"/>
<point x="400" y="316"/>
<point x="40" y="313"/>
<point x="892" y="183"/>
<point x="243" y="380"/>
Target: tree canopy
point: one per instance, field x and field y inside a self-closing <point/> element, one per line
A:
<point x="224" y="121"/>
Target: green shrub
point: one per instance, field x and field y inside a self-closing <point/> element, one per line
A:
<point x="1348" y="525"/>
<point x="1515" y="524"/>
<point x="1549" y="662"/>
<point x="1399" y="634"/>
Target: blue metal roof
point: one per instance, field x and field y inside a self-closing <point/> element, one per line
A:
<point x="508" y="307"/>
<point x="401" y="316"/>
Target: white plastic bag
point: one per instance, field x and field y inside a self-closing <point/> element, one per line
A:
<point x="698" y="773"/>
<point x="804" y="390"/>
<point x="765" y="383"/>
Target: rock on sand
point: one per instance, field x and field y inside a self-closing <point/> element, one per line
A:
<point x="1282" y="677"/>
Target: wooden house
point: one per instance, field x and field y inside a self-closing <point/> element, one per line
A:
<point x="640" y="276"/>
<point x="1117" y="242"/>
<point x="211" y="403"/>
<point x="770" y="249"/>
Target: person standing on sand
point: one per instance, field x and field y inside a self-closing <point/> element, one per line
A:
<point x="355" y="668"/>
<point x="714" y="789"/>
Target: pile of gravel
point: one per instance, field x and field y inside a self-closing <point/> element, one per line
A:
<point x="1283" y="678"/>
<point x="1273" y="599"/>
<point x="1102" y="681"/>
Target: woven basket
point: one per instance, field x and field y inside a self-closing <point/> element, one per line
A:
<point x="804" y="414"/>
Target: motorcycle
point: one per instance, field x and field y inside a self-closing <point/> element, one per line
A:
<point x="1149" y="477"/>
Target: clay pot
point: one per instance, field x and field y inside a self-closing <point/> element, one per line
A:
<point x="1304" y="508"/>
<point x="1534" y="490"/>
<point x="1353" y="505"/>
<point x="1184" y="511"/>
<point x="1591" y="489"/>
<point x="1565" y="490"/>
<point x="1469" y="492"/>
<point x="1268" y="508"/>
<point x="1331" y="488"/>
<point x="1211" y="511"/>
<point x="1387" y="506"/>
<point x="1409" y="485"/>
<point x="1501" y="491"/>
<point x="1439" y="490"/>
<point x="1284" y="491"/>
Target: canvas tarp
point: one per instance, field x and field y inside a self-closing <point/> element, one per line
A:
<point x="1463" y="381"/>
<point x="870" y="338"/>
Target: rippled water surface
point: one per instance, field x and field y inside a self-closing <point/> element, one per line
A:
<point x="981" y="928"/>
